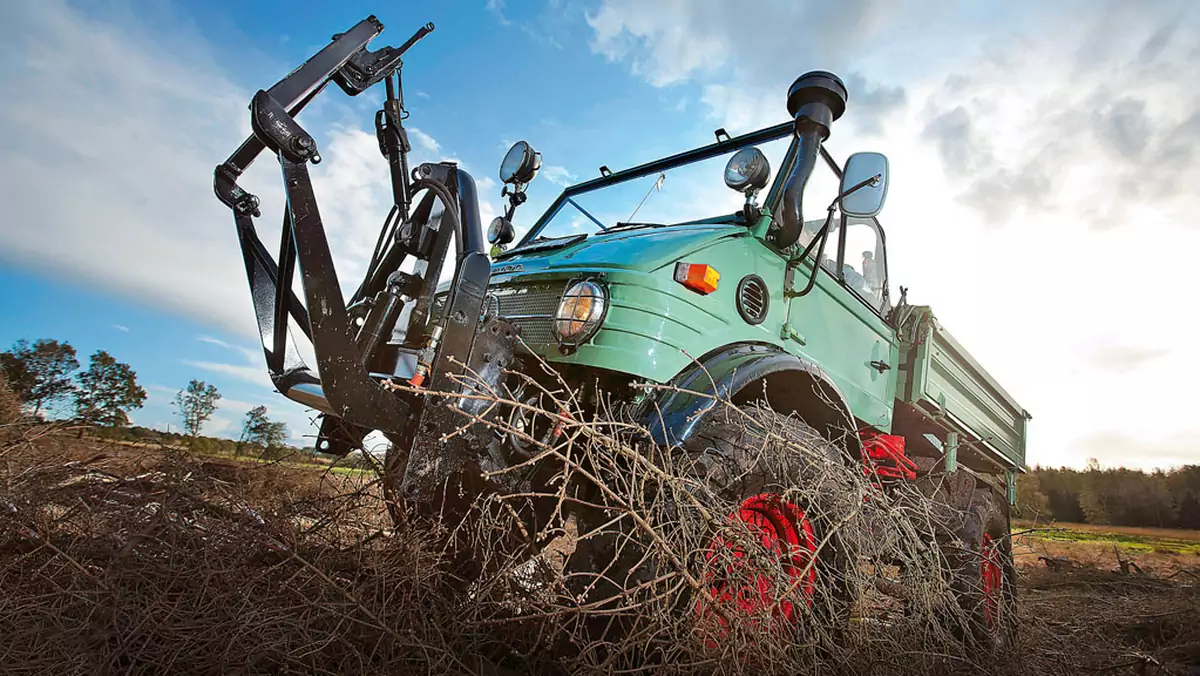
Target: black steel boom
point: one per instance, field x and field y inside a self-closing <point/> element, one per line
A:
<point x="391" y="318"/>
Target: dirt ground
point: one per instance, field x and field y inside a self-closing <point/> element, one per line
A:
<point x="232" y="590"/>
<point x="1160" y="552"/>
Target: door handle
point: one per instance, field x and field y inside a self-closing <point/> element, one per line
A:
<point x="880" y="365"/>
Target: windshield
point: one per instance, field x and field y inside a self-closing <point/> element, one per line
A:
<point x="678" y="194"/>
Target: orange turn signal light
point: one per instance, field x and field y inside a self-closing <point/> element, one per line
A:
<point x="698" y="277"/>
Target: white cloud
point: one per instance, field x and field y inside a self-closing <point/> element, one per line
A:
<point x="219" y="426"/>
<point x="256" y="375"/>
<point x="253" y="371"/>
<point x="558" y="175"/>
<point x="1013" y="145"/>
<point x="672" y="41"/>
<point x="496" y="7"/>
<point x="544" y="29"/>
<point x="488" y="199"/>
<point x="122" y="329"/>
<point x="424" y="140"/>
<point x="250" y="354"/>
<point x="141" y="217"/>
<point x="142" y="220"/>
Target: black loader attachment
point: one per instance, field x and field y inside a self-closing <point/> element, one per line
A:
<point x="394" y="328"/>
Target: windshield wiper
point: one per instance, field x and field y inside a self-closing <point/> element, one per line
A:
<point x="630" y="226"/>
<point x="543" y="243"/>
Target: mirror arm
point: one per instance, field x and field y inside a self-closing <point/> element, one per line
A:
<point x="819" y="242"/>
<point x="871" y="181"/>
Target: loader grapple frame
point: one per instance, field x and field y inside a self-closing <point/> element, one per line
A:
<point x="361" y="344"/>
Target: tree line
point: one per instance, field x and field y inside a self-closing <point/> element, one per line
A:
<point x="45" y="375"/>
<point x="1112" y="496"/>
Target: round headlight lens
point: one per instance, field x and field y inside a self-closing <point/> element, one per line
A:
<point x="580" y="312"/>
<point x="520" y="164"/>
<point x="500" y="232"/>
<point x="747" y="170"/>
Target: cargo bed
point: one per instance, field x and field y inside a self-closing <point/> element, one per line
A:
<point x="942" y="386"/>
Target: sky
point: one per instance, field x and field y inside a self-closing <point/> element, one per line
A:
<point x="1044" y="158"/>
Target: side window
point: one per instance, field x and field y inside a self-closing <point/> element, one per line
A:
<point x="821" y="189"/>
<point x="864" y="268"/>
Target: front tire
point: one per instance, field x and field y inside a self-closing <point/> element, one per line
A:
<point x="753" y="459"/>
<point x="756" y="460"/>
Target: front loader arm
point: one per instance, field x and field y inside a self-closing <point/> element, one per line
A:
<point x="357" y="347"/>
<point x="345" y="60"/>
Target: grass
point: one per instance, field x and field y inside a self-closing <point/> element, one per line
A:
<point x="293" y="460"/>
<point x="1161" y="552"/>
<point x="1130" y="539"/>
<point x="1126" y="541"/>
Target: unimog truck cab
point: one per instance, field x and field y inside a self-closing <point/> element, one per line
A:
<point x="751" y="270"/>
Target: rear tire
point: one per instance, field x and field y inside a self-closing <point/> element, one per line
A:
<point x="984" y="577"/>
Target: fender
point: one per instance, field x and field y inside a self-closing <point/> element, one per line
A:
<point x="738" y="373"/>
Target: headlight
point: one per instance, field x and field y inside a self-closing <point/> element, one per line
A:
<point x="580" y="312"/>
<point x="748" y="170"/>
<point x="500" y="232"/>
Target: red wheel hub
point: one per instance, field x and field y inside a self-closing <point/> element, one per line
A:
<point x="785" y="532"/>
<point x="991" y="572"/>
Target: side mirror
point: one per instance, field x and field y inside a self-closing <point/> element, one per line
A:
<point x="500" y="232"/>
<point x="868" y="195"/>
<point x="748" y="170"/>
<point x="521" y="164"/>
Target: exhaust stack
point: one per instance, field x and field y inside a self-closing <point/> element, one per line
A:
<point x="814" y="101"/>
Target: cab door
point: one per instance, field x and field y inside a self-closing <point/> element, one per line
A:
<point x="863" y="273"/>
<point x="840" y="322"/>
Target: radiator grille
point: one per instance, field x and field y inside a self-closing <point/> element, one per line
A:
<point x="529" y="308"/>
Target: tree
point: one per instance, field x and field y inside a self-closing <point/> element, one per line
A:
<point x="1032" y="503"/>
<point x="40" y="374"/>
<point x="256" y="420"/>
<point x="10" y="405"/>
<point x="196" y="405"/>
<point x="106" y="392"/>
<point x="259" y="431"/>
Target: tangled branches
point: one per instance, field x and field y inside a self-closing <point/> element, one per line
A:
<point x="599" y="552"/>
<point x="635" y="555"/>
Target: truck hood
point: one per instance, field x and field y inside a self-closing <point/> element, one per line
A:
<point x="644" y="249"/>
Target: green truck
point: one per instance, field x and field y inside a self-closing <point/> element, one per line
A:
<point x="653" y="290"/>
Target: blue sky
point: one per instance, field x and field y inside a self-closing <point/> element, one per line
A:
<point x="1039" y="153"/>
<point x="166" y="350"/>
